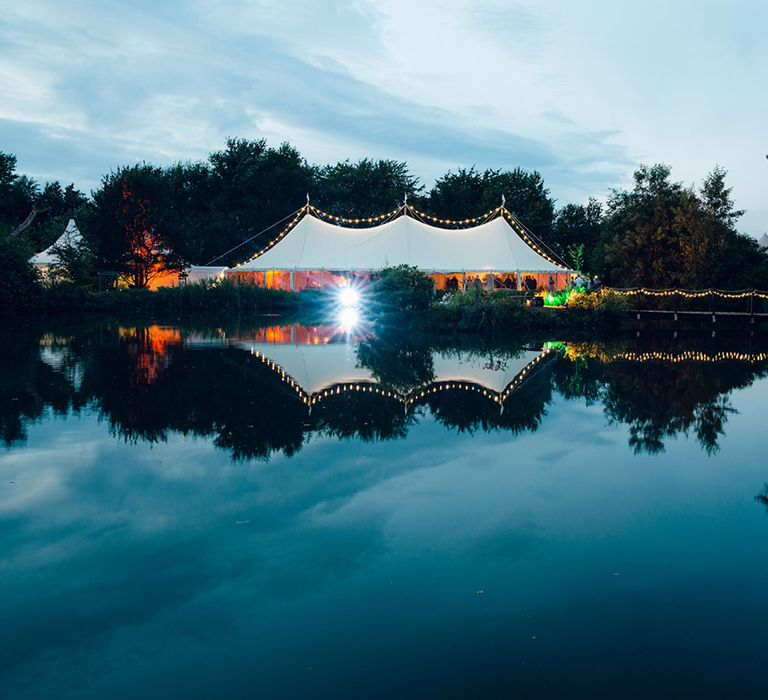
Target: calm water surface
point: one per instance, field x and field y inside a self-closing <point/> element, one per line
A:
<point x="297" y="512"/>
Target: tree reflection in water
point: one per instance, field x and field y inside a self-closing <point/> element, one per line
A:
<point x="660" y="399"/>
<point x="150" y="381"/>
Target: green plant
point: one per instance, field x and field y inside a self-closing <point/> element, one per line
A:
<point x="604" y="300"/>
<point x="20" y="286"/>
<point x="576" y="254"/>
<point x="401" y="288"/>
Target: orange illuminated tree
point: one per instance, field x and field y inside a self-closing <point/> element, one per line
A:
<point x="136" y="225"/>
<point x="148" y="255"/>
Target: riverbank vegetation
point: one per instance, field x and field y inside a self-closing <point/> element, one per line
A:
<point x="144" y="219"/>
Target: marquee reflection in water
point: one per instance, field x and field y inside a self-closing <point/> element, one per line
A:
<point x="437" y="520"/>
<point x="257" y="391"/>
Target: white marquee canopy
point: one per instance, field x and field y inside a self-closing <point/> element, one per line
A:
<point x="315" y="244"/>
<point x="71" y="238"/>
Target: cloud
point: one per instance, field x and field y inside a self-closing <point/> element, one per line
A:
<point x="86" y="86"/>
<point x="113" y="85"/>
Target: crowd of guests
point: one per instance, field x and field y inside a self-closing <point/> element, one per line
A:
<point x="528" y="283"/>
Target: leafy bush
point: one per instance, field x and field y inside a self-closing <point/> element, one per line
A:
<point x="401" y="288"/>
<point x="19" y="283"/>
<point x="220" y="297"/>
<point x="476" y="309"/>
<point x="76" y="266"/>
<point x="223" y="295"/>
<point x="605" y="301"/>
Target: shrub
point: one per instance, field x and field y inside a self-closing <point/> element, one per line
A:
<point x="476" y="309"/>
<point x="206" y="297"/>
<point x="19" y="282"/>
<point x="401" y="288"/>
<point x="76" y="266"/>
<point x="605" y="301"/>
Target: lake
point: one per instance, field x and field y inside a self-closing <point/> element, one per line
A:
<point x="283" y="511"/>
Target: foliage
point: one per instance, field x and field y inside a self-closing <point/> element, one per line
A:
<point x="604" y="301"/>
<point x="244" y="189"/>
<point x="468" y="192"/>
<point x="663" y="235"/>
<point x="365" y="188"/>
<point x="19" y="194"/>
<point x="577" y="227"/>
<point x="133" y="226"/>
<point x="19" y="281"/>
<point x="214" y="298"/>
<point x="144" y="220"/>
<point x="478" y="310"/>
<point x="576" y="254"/>
<point x="401" y="289"/>
<point x="399" y="359"/>
<point x="76" y="266"/>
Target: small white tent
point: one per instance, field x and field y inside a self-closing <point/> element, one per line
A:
<point x="71" y="238"/>
<point x="763" y="240"/>
<point x="200" y="273"/>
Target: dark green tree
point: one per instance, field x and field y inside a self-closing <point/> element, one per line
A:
<point x="19" y="283"/>
<point x="20" y="195"/>
<point x="133" y="227"/>
<point x="661" y="234"/>
<point x="402" y="288"/>
<point x="365" y="188"/>
<point x="575" y="225"/>
<point x="468" y="192"/>
<point x="251" y="187"/>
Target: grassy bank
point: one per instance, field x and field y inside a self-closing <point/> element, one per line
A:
<point x="471" y="311"/>
<point x="479" y="311"/>
<point x="202" y="299"/>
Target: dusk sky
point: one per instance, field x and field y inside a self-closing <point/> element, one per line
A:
<point x="581" y="91"/>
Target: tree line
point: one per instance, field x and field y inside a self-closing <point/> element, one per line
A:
<point x="141" y="218"/>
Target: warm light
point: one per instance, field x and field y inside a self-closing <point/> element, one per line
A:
<point x="349" y="297"/>
<point x="349" y="318"/>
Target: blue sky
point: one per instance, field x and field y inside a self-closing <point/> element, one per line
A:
<point x="581" y="91"/>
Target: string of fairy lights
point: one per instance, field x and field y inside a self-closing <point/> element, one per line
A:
<point x="406" y="209"/>
<point x="426" y="390"/>
<point x="691" y="293"/>
<point x="690" y="356"/>
<point x="356" y="220"/>
<point x="471" y="221"/>
<point x="279" y="237"/>
<point x="407" y="399"/>
<point x="527" y="237"/>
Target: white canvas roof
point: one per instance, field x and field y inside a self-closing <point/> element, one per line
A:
<point x="71" y="237"/>
<point x="198" y="273"/>
<point x="314" y="244"/>
<point x="319" y="367"/>
<point x="763" y="240"/>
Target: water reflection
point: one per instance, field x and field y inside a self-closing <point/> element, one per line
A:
<point x="267" y="389"/>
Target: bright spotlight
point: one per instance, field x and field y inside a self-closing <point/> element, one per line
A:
<point x="349" y="297"/>
<point x="349" y="318"/>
